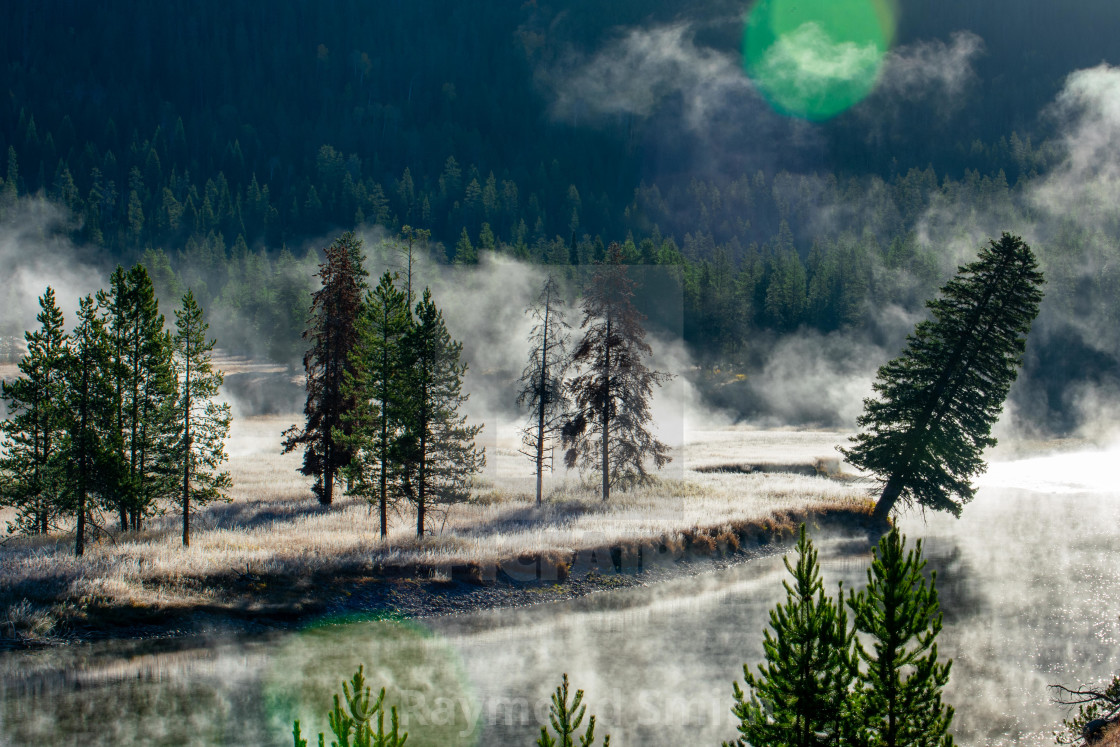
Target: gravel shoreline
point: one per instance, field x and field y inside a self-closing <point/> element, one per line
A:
<point x="255" y="606"/>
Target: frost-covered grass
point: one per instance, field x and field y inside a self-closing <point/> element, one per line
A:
<point x="274" y="527"/>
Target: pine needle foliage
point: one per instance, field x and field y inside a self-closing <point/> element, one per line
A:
<point x="924" y="432"/>
<point x="144" y="392"/>
<point x="88" y="399"/>
<point x="437" y="453"/>
<point x="376" y="382"/>
<point x="352" y="725"/>
<point x="34" y="431"/>
<point x="542" y="390"/>
<point x="566" y="718"/>
<point x="900" y="697"/>
<point x="332" y="330"/>
<point x="609" y="428"/>
<point x="1097" y="709"/>
<point x="800" y="697"/>
<point x="203" y="424"/>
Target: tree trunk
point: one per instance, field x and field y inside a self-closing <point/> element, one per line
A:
<point x="891" y="491"/>
<point x="328" y="487"/>
<point x="606" y="414"/>
<point x="422" y="487"/>
<point x="542" y="398"/>
<point x="187" y="445"/>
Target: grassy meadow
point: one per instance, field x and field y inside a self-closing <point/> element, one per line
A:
<point x="274" y="549"/>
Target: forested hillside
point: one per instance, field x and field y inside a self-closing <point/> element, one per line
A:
<point x="219" y="143"/>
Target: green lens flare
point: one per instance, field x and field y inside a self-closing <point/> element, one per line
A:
<point x="816" y="58"/>
<point x="422" y="674"/>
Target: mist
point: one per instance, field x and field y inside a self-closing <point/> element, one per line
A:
<point x="35" y="252"/>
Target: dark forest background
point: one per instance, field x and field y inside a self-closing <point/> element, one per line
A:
<point x="219" y="143"/>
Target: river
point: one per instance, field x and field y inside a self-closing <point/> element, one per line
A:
<point x="1028" y="585"/>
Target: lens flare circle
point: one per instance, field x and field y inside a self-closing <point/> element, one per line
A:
<point x="816" y="58"/>
<point x="422" y="673"/>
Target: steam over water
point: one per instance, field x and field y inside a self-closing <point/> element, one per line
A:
<point x="1028" y="588"/>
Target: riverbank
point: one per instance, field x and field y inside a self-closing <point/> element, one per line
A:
<point x="273" y="558"/>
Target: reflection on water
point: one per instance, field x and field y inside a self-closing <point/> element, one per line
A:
<point x="1027" y="585"/>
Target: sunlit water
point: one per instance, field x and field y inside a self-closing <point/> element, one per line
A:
<point x="1028" y="586"/>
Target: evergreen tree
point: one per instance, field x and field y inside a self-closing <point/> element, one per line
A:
<point x="925" y="432"/>
<point x="377" y="386"/>
<point x="437" y="452"/>
<point x="566" y="719"/>
<point x="609" y="430"/>
<point x="1098" y="710"/>
<point x="114" y="305"/>
<point x="801" y="696"/>
<point x="203" y="424"/>
<point x="542" y="381"/>
<point x="465" y="253"/>
<point x="89" y="418"/>
<point x="333" y="332"/>
<point x="144" y="392"/>
<point x="151" y="419"/>
<point x="35" y="428"/>
<point x="352" y="725"/>
<point x="900" y="699"/>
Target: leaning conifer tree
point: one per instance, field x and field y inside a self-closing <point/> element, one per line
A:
<point x="436" y="451"/>
<point x="333" y="332"/>
<point x="900" y="697"/>
<point x="609" y="427"/>
<point x="376" y="383"/>
<point x="925" y="430"/>
<point x="36" y="425"/>
<point x="203" y="424"/>
<point x="542" y="381"/>
<point x="800" y="697"/>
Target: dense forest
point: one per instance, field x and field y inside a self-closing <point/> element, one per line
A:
<point x="219" y="144"/>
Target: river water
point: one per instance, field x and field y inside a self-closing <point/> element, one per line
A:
<point x="1028" y="587"/>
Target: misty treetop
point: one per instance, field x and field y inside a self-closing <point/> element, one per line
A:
<point x="116" y="418"/>
<point x="924" y="432"/>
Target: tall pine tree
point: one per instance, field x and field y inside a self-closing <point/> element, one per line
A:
<point x="378" y="387"/>
<point x="144" y="393"/>
<point x="89" y="415"/>
<point x="36" y="425"/>
<point x="542" y="381"/>
<point x="152" y="415"/>
<point x="437" y="451"/>
<point x="925" y="431"/>
<point x="333" y="332"/>
<point x="900" y="700"/>
<point x="203" y="424"/>
<point x="609" y="429"/>
<point x="800" y="697"/>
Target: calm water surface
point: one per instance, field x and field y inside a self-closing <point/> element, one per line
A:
<point x="1028" y="588"/>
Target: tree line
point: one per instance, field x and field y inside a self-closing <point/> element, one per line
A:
<point x="116" y="420"/>
<point x="384" y="387"/>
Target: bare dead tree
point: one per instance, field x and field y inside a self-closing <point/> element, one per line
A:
<point x="542" y="382"/>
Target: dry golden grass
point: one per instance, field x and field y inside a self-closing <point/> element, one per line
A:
<point x="274" y="527"/>
<point x="1110" y="738"/>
